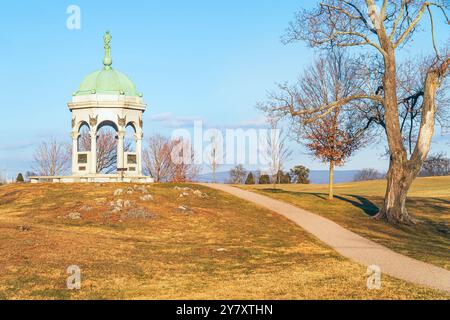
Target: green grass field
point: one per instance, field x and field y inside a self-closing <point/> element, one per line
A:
<point x="221" y="248"/>
<point x="356" y="203"/>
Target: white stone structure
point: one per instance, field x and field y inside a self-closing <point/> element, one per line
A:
<point x="98" y="110"/>
<point x="105" y="98"/>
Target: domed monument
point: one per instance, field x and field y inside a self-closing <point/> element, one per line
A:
<point x="106" y="98"/>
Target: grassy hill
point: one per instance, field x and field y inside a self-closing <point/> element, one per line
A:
<point x="204" y="245"/>
<point x="356" y="203"/>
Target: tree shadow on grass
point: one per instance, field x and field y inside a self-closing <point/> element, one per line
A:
<point x="442" y="200"/>
<point x="362" y="203"/>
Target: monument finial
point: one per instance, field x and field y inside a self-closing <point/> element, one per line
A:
<point x="107" y="61"/>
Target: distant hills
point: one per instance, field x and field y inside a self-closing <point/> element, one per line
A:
<point x="316" y="176"/>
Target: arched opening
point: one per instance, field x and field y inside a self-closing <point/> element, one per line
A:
<point x="84" y="138"/>
<point x="107" y="148"/>
<point x="130" y="138"/>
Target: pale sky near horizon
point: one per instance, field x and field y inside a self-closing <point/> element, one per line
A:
<point x="199" y="59"/>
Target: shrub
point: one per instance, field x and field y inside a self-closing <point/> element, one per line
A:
<point x="264" y="179"/>
<point x="250" y="179"/>
<point x="300" y="175"/>
<point x="20" y="178"/>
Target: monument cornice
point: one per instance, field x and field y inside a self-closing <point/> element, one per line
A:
<point x="106" y="105"/>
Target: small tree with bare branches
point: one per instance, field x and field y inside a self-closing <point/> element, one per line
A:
<point x="335" y="135"/>
<point x="384" y="30"/>
<point x="106" y="149"/>
<point x="157" y="158"/>
<point x="183" y="168"/>
<point x="277" y="151"/>
<point x="52" y="158"/>
<point x="332" y="143"/>
<point x="214" y="153"/>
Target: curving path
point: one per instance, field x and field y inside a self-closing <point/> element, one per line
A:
<point x="349" y="244"/>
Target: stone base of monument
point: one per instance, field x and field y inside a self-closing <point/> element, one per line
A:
<point x="108" y="178"/>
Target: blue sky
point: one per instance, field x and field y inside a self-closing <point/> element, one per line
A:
<point x="199" y="59"/>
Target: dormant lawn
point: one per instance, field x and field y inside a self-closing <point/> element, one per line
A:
<point x="356" y="203"/>
<point x="220" y="248"/>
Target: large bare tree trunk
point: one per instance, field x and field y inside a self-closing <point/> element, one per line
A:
<point x="394" y="208"/>
<point x="402" y="171"/>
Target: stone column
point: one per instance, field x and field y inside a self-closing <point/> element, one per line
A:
<point x="139" y="137"/>
<point x="75" y="136"/>
<point x="93" y="168"/>
<point x="120" y="147"/>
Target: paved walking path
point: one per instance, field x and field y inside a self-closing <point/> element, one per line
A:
<point x="349" y="244"/>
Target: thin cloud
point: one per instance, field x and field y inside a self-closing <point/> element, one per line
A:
<point x="17" y="147"/>
<point x="171" y="121"/>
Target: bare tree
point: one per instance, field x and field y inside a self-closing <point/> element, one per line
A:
<point x="436" y="165"/>
<point x="358" y="23"/>
<point x="183" y="167"/>
<point x="106" y="149"/>
<point x="3" y="179"/>
<point x="215" y="155"/>
<point x="332" y="143"/>
<point x="52" y="158"/>
<point x="367" y="175"/>
<point x="277" y="151"/>
<point x="237" y="175"/>
<point x="157" y="158"/>
<point x="169" y="160"/>
<point x="335" y="136"/>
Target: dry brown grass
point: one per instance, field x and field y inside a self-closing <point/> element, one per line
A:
<point x="356" y="203"/>
<point x="172" y="256"/>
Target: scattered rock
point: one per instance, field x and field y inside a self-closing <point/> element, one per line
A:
<point x="183" y="189"/>
<point x="85" y="208"/>
<point x="200" y="194"/>
<point x="221" y="250"/>
<point x="118" y="203"/>
<point x="147" y="197"/>
<point x="118" y="192"/>
<point x="184" y="209"/>
<point x="138" y="213"/>
<point x="128" y="204"/>
<point x="24" y="228"/>
<point x="74" y="216"/>
<point x="184" y="194"/>
<point x="142" y="189"/>
<point x="130" y="191"/>
<point x="116" y="210"/>
<point x="100" y="201"/>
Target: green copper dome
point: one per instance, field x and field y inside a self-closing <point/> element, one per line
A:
<point x="107" y="80"/>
